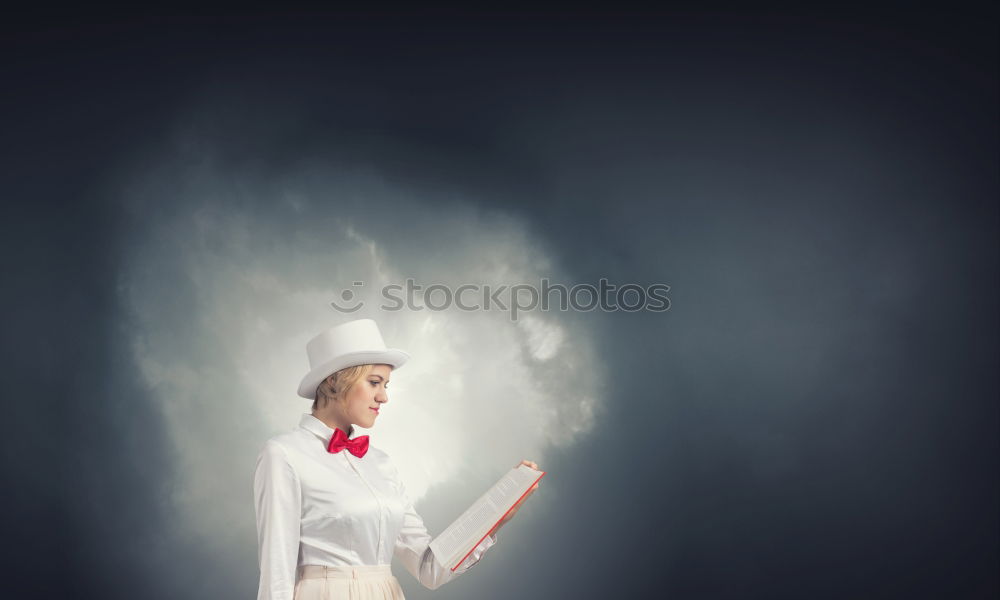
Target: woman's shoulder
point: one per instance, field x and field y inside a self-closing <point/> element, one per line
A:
<point x="280" y="444"/>
<point x="282" y="439"/>
<point x="276" y="446"/>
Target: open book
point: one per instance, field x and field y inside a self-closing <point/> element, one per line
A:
<point x="461" y="537"/>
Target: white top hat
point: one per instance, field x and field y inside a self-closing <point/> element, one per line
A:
<point x="346" y="345"/>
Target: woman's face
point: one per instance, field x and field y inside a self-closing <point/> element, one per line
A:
<point x="367" y="394"/>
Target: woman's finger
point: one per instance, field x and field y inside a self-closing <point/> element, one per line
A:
<point x="529" y="463"/>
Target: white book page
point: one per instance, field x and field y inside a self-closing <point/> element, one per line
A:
<point x="462" y="535"/>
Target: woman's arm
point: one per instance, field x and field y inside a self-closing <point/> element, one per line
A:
<point x="278" y="505"/>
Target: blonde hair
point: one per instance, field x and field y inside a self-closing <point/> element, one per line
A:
<point x="336" y="386"/>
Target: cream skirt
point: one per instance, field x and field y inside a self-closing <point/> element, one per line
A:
<point x="368" y="582"/>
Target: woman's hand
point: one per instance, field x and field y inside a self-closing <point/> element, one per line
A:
<point x="514" y="510"/>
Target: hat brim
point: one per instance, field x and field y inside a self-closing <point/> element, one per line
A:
<point x="393" y="357"/>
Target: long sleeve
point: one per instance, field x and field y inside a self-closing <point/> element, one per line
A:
<point x="413" y="550"/>
<point x="278" y="504"/>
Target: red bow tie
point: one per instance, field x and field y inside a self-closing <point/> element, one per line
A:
<point x="358" y="446"/>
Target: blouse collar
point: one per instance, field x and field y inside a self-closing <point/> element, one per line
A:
<point x="321" y="430"/>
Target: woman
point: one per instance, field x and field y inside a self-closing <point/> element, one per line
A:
<point x="331" y="509"/>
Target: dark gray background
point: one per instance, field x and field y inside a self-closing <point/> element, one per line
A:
<point x="815" y="416"/>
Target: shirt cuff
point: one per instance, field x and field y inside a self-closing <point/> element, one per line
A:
<point x="477" y="553"/>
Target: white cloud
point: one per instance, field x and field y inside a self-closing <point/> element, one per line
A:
<point x="228" y="275"/>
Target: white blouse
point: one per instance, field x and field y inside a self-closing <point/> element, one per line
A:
<point x="318" y="508"/>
